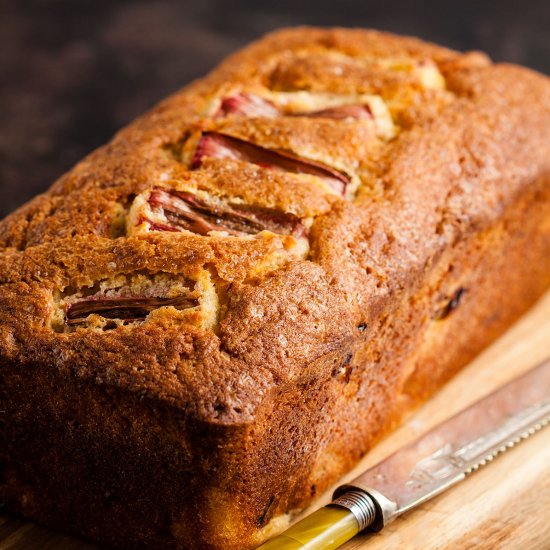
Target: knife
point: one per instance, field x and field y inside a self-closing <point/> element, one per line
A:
<point x="428" y="466"/>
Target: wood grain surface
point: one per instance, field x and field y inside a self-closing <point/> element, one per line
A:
<point x="505" y="505"/>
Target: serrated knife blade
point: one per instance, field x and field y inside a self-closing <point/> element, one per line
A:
<point x="429" y="465"/>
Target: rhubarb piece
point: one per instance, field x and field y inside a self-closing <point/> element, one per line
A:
<point x="156" y="226"/>
<point x="184" y="210"/>
<point x="121" y="307"/>
<point x="342" y="112"/>
<point x="220" y="146"/>
<point x="248" y="105"/>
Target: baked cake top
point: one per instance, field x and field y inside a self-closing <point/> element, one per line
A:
<point x="263" y="216"/>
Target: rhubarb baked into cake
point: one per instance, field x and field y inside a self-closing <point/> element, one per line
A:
<point x="210" y="319"/>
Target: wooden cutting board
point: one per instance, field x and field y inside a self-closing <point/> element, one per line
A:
<point x="505" y="505"/>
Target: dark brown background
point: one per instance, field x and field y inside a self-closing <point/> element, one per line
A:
<point x="73" y="72"/>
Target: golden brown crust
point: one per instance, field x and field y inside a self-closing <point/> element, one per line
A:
<point x="451" y="146"/>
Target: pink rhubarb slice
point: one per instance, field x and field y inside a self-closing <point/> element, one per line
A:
<point x="185" y="210"/>
<point x="221" y="146"/>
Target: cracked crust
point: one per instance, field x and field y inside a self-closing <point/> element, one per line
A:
<point x="449" y="184"/>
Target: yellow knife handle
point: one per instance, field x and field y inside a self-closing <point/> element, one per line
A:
<point x="329" y="527"/>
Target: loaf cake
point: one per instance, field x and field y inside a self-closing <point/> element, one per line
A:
<point x="210" y="319"/>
